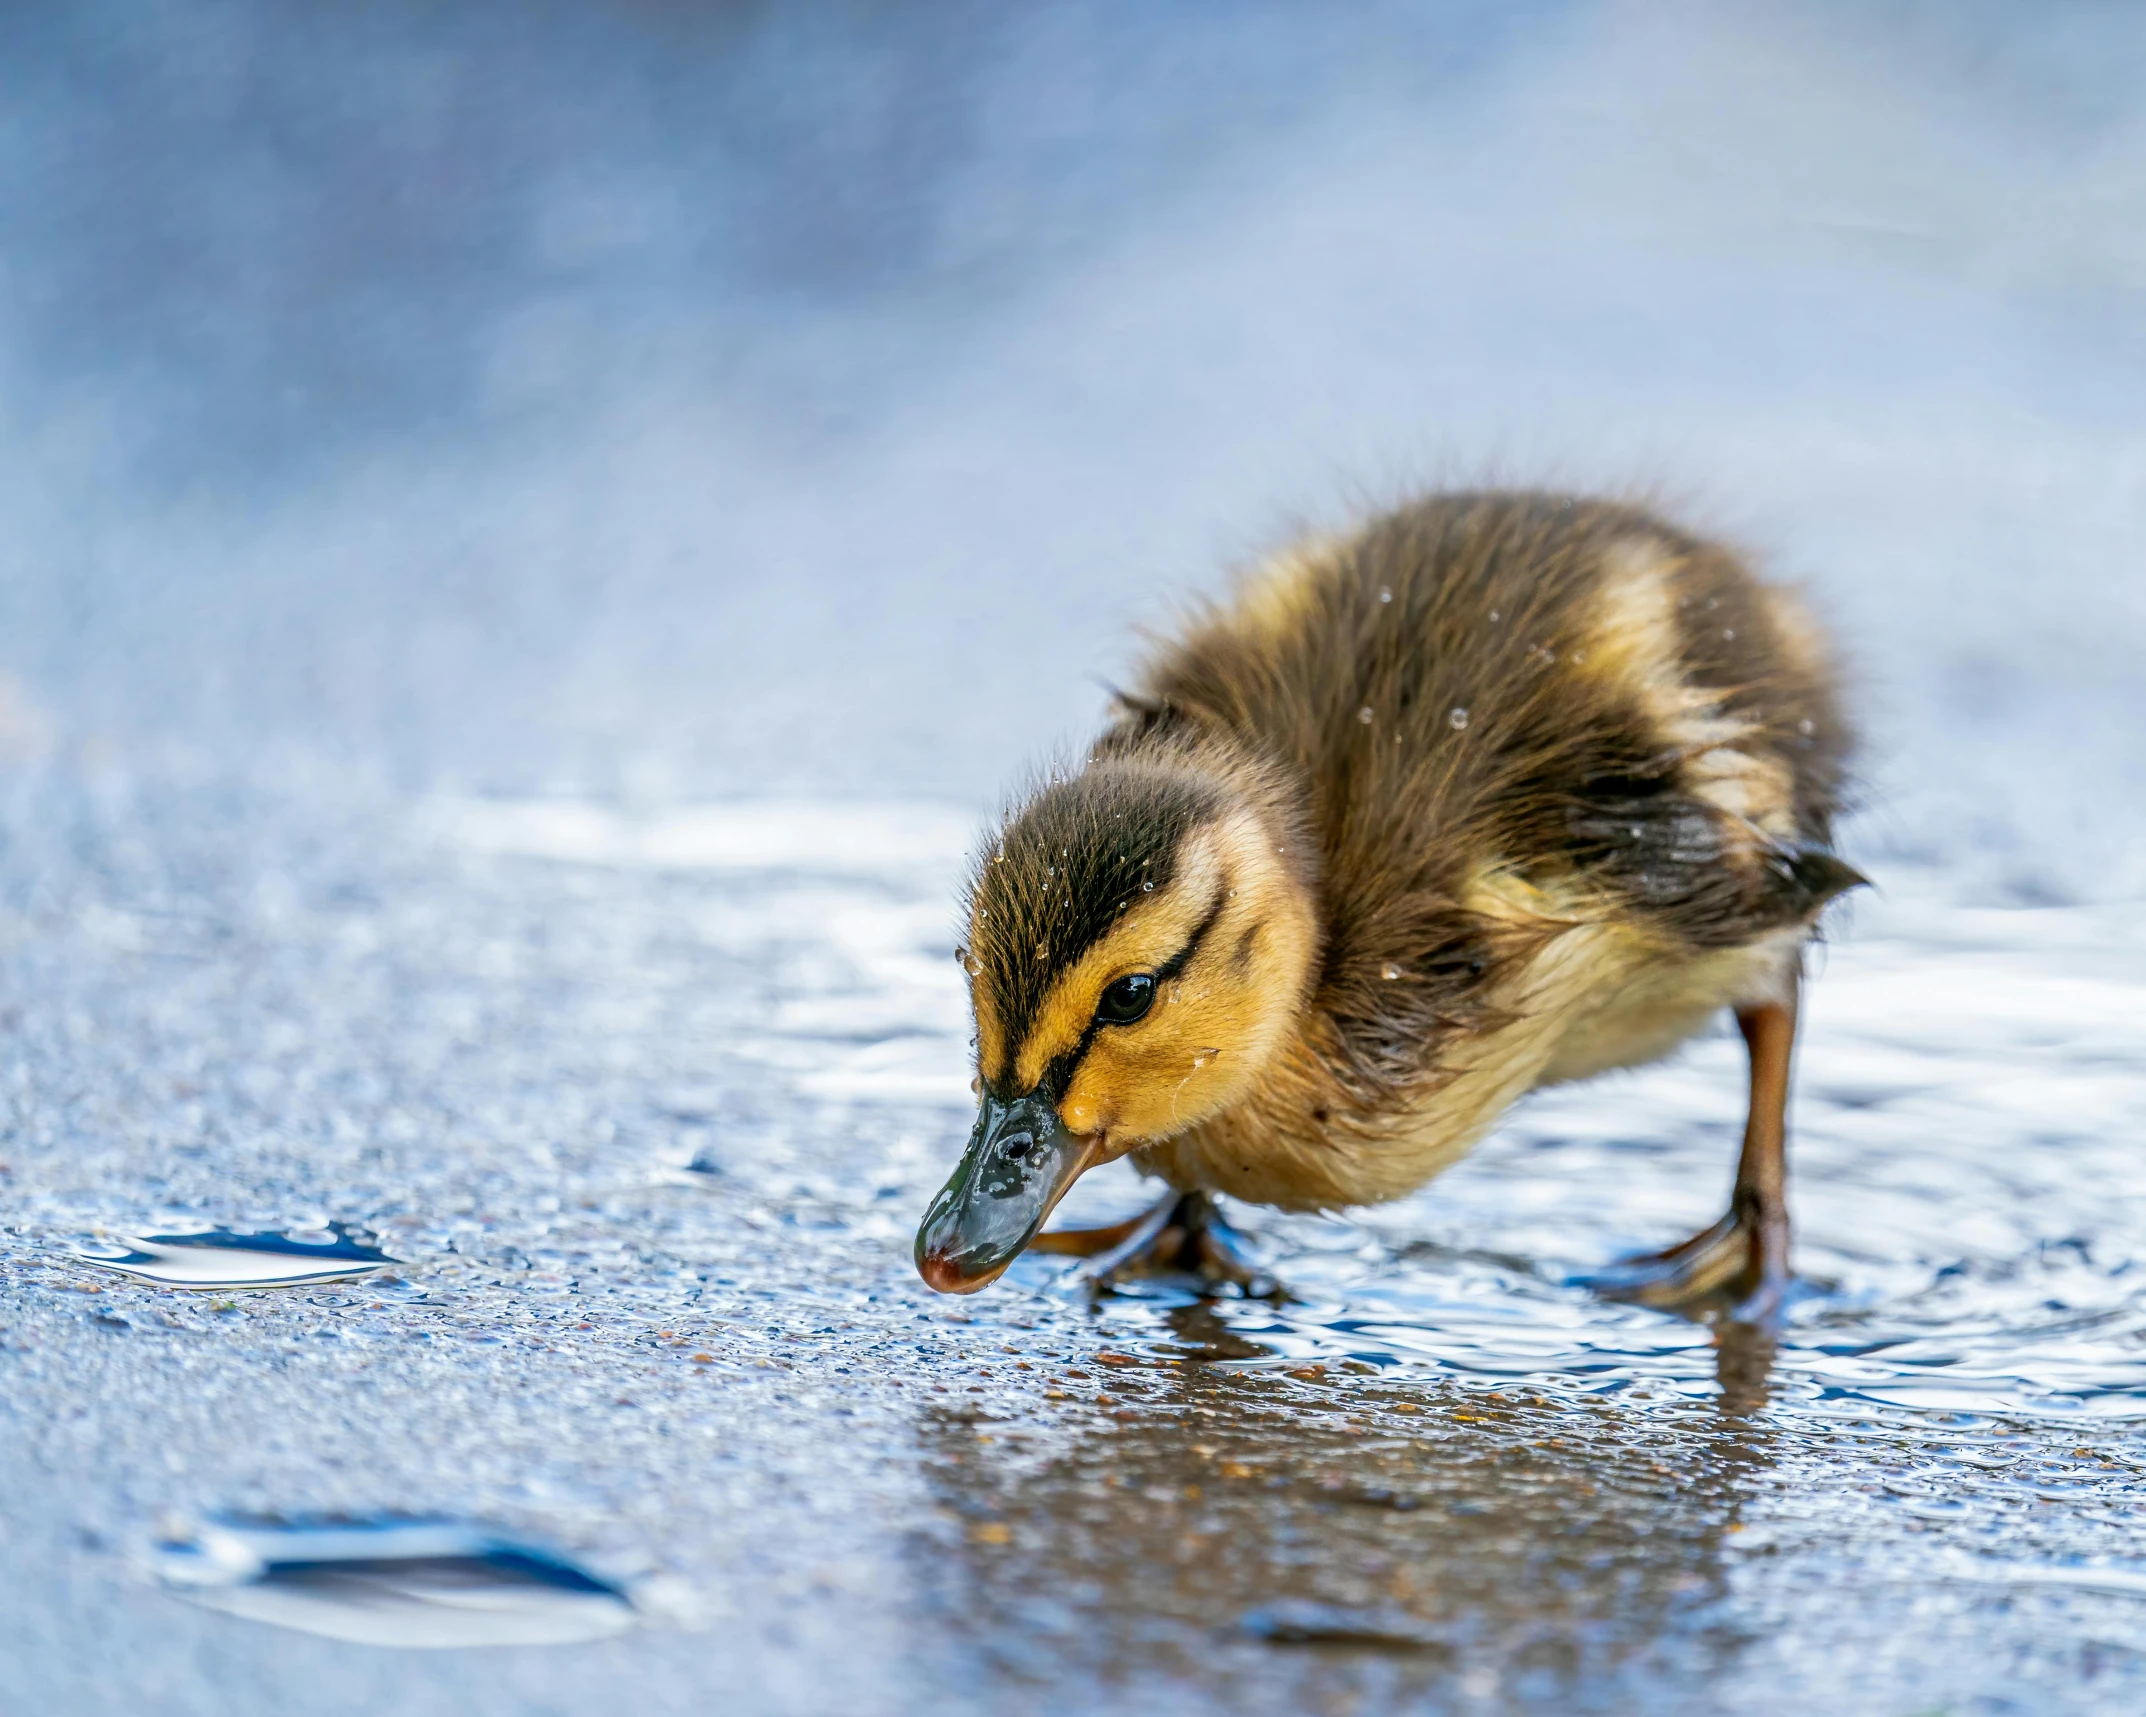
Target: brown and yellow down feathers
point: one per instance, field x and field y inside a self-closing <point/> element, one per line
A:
<point x="1484" y="723"/>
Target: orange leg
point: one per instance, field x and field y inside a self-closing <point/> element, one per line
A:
<point x="1093" y="1242"/>
<point x="1743" y="1258"/>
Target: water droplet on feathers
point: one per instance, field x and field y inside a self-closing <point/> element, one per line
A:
<point x="392" y="1582"/>
<point x="1385" y="595"/>
<point x="1389" y="971"/>
<point x="218" y="1258"/>
<point x="1364" y="715"/>
<point x="1457" y="718"/>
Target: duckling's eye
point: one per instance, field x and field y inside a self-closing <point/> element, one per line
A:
<point x="1126" y="1000"/>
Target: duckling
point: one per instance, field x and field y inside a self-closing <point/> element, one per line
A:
<point x="1503" y="790"/>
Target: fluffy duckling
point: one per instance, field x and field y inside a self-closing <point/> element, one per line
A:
<point x="1504" y="790"/>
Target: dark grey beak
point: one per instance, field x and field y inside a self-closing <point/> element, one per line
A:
<point x="1019" y="1163"/>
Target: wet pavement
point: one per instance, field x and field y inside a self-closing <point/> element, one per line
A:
<point x="643" y="1107"/>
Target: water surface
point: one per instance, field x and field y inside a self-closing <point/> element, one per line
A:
<point x="650" y="1139"/>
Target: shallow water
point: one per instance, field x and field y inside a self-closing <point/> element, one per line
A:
<point x="412" y="1584"/>
<point x="650" y="1140"/>
<point x="206" y="1259"/>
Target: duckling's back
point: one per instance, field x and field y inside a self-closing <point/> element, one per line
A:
<point x="1571" y="695"/>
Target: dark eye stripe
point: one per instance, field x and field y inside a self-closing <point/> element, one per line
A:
<point x="1177" y="962"/>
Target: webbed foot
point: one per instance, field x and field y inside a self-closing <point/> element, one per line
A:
<point x="1735" y="1271"/>
<point x="1182" y="1234"/>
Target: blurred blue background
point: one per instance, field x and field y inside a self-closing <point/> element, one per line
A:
<point x="656" y="401"/>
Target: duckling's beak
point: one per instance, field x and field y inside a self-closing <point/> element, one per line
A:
<point x="1019" y="1163"/>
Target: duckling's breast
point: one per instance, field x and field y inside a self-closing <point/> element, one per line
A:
<point x="1606" y="992"/>
<point x="1652" y="1006"/>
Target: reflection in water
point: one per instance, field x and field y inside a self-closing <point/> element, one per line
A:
<point x="1743" y="1363"/>
<point x="391" y="1582"/>
<point x="217" y="1258"/>
<point x="1317" y="1538"/>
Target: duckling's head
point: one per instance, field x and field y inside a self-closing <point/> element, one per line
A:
<point x="1141" y="939"/>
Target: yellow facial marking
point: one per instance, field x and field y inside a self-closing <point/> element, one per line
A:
<point x="1215" y="1024"/>
<point x="990" y="1034"/>
<point x="1151" y="935"/>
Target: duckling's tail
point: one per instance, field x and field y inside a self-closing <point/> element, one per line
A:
<point x="1804" y="879"/>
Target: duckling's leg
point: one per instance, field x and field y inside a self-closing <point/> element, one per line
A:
<point x="1181" y="1234"/>
<point x="1112" y="1237"/>
<point x="1744" y="1256"/>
